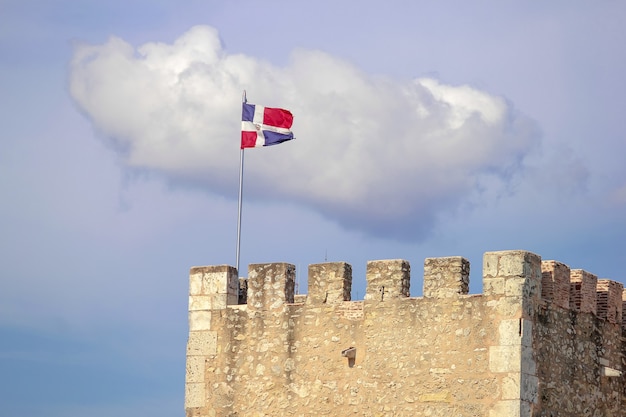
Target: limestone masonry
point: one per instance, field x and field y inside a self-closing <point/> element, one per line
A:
<point x="541" y="340"/>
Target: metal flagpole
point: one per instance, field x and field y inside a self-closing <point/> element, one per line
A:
<point x="239" y="210"/>
<point x="244" y="100"/>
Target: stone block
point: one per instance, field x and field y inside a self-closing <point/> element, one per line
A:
<point x="509" y="332"/>
<point x="512" y="264"/>
<point x="529" y="388"/>
<point x="199" y="320"/>
<point x="195" y="369"/>
<point x="528" y="364"/>
<point x="507" y="408"/>
<point x="511" y="387"/>
<point x="195" y="281"/>
<point x="514" y="287"/>
<point x="195" y="395"/>
<point x="209" y="302"/>
<point x="505" y="358"/>
<point x="490" y="264"/>
<point x="493" y="286"/>
<point x="202" y="343"/>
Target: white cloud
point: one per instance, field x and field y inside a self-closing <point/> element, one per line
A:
<point x="375" y="154"/>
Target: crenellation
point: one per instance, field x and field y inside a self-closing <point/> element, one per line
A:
<point x="609" y="296"/>
<point x="329" y="283"/>
<point x="219" y="282"/>
<point x="446" y="277"/>
<point x="583" y="291"/>
<point x="513" y="274"/>
<point x="555" y="283"/>
<point x="270" y="286"/>
<point x="387" y="279"/>
<point x="210" y="288"/>
<point x="533" y="344"/>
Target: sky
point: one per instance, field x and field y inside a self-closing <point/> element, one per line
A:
<point x="423" y="129"/>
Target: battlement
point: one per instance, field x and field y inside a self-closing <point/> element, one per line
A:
<point x="539" y="334"/>
<point x="508" y="273"/>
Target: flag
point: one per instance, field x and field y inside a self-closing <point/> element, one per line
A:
<point x="264" y="126"/>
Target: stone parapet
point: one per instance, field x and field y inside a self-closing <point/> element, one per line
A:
<point x="539" y="336"/>
<point x="446" y="277"/>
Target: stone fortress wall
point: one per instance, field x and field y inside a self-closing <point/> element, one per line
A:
<point x="541" y="340"/>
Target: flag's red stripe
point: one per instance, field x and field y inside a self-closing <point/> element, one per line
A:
<point x="277" y="117"/>
<point x="248" y="139"/>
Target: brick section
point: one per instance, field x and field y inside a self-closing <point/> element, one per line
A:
<point x="351" y="310"/>
<point x="329" y="283"/>
<point x="387" y="279"/>
<point x="270" y="286"/>
<point x="582" y="293"/>
<point x="555" y="283"/>
<point x="446" y="277"/>
<point x="609" y="296"/>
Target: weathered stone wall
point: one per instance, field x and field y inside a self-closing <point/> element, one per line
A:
<point x="580" y="350"/>
<point x="506" y="352"/>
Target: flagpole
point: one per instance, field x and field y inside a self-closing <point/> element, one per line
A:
<point x="278" y="129"/>
<point x="243" y="100"/>
<point x="239" y="209"/>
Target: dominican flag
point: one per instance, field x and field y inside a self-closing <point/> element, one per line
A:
<point x="264" y="126"/>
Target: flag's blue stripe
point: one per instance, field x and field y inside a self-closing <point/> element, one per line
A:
<point x="273" y="138"/>
<point x="247" y="112"/>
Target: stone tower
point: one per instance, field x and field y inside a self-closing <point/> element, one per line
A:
<point x="541" y="340"/>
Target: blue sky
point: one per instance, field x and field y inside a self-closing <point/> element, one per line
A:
<point x="423" y="129"/>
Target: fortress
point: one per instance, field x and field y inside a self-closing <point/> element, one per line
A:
<point x="541" y="340"/>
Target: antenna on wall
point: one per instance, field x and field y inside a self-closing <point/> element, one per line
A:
<point x="325" y="255"/>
